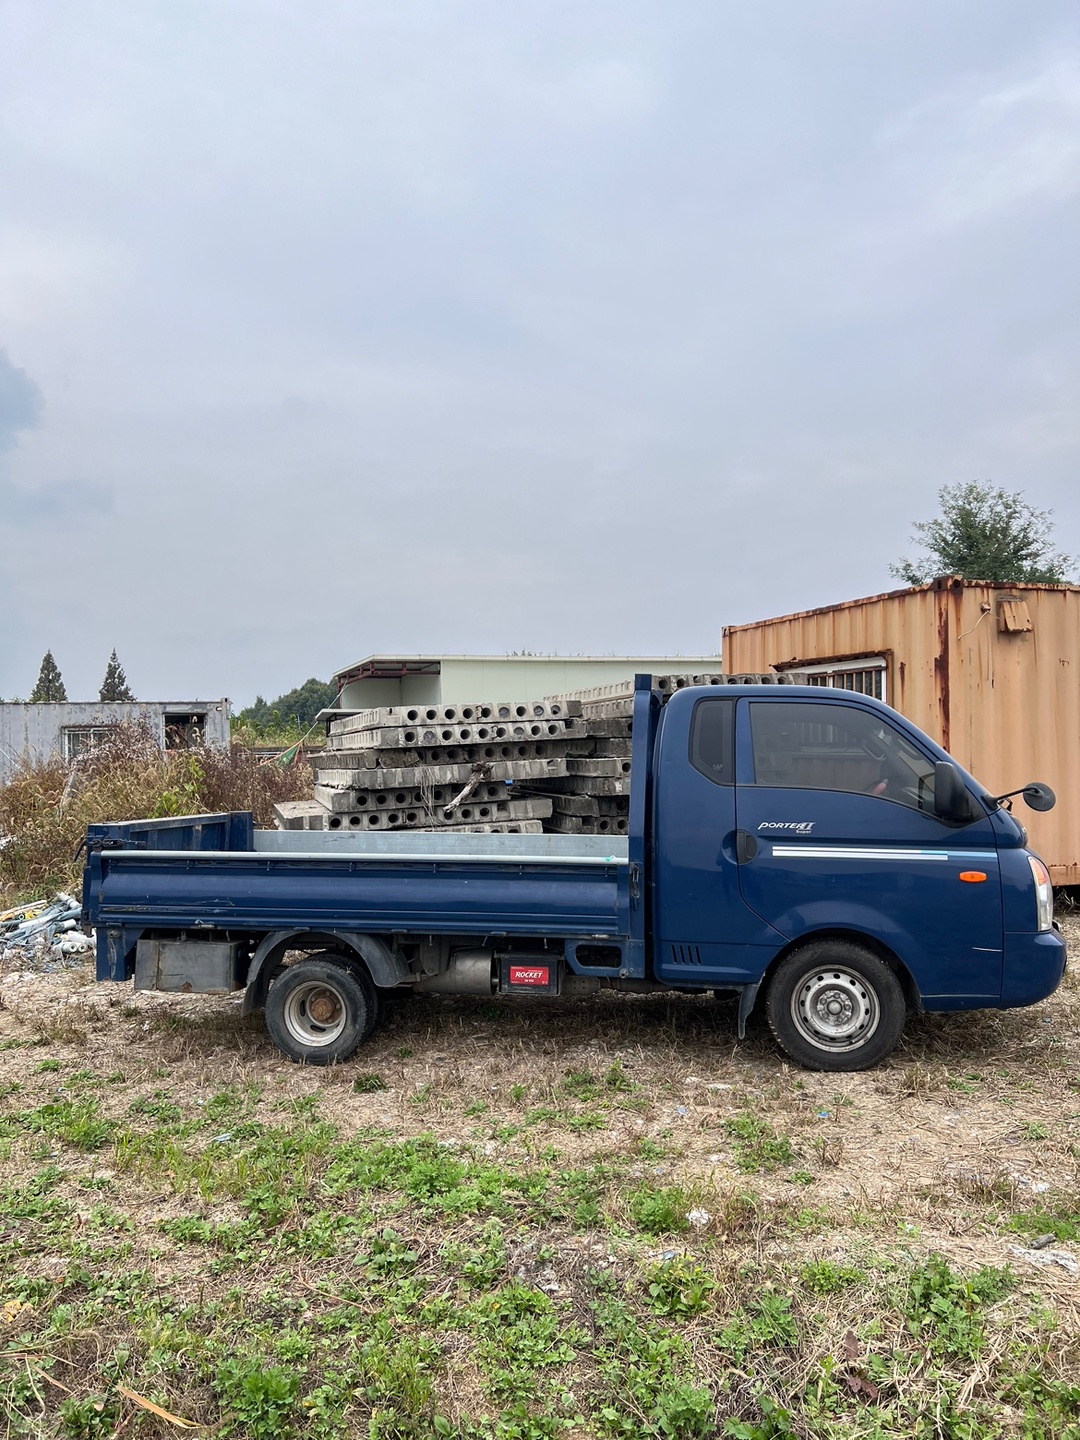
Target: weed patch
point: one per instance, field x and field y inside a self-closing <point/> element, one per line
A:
<point x="945" y="1309"/>
<point x="766" y="1322"/>
<point x="45" y="808"/>
<point x="758" y="1148"/>
<point x="679" y="1288"/>
<point x="257" y="1401"/>
<point x="660" y="1210"/>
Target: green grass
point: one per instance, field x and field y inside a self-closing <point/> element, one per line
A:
<point x="508" y="1259"/>
<point x="358" y="1282"/>
<point x="1060" y="1218"/>
<point x="758" y="1148"/>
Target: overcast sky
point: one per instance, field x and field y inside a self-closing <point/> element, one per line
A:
<point x="362" y="326"/>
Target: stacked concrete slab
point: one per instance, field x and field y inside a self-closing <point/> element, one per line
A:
<point x="559" y="765"/>
<point x="594" y="797"/>
<point x="481" y="767"/>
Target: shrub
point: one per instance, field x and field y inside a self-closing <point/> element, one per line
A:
<point x="46" y="807"/>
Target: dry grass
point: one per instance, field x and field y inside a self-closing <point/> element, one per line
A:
<point x="46" y="807"/>
<point x="793" y="1286"/>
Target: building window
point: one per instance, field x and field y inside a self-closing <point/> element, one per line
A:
<point x="865" y="675"/>
<point x="81" y="739"/>
<point x="182" y="731"/>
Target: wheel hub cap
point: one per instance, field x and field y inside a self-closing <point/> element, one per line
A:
<point x="322" y="1006"/>
<point x="315" y="1014"/>
<point x="835" y="1009"/>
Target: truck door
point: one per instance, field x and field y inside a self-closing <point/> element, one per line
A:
<point x="835" y="810"/>
<point x="704" y="933"/>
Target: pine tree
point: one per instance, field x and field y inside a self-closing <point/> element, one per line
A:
<point x="115" y="685"/>
<point x="50" y="684"/>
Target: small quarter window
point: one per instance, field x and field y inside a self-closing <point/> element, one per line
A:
<point x="712" y="740"/>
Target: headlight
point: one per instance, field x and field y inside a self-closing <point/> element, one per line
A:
<point x="1044" y="893"/>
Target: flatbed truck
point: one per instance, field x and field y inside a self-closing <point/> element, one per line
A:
<point x="808" y="850"/>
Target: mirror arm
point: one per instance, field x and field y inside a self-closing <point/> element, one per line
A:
<point x="999" y="800"/>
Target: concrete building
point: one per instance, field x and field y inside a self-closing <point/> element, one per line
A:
<point x="992" y="672"/>
<point x="382" y="680"/>
<point x="65" y="730"/>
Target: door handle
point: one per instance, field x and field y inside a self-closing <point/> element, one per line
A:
<point x="746" y="846"/>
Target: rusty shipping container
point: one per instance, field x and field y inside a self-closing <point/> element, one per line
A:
<point x="992" y="672"/>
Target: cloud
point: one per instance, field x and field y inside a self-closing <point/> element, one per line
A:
<point x="987" y="143"/>
<point x="20" y="402"/>
<point x="56" y="503"/>
<point x="478" y="326"/>
<point x="51" y="501"/>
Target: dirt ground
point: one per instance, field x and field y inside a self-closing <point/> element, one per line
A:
<point x="975" y="1120"/>
<point x="961" y="1098"/>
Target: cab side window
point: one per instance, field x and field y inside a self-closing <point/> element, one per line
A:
<point x="712" y="740"/>
<point x="838" y="747"/>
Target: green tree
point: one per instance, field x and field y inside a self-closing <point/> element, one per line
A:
<point x="986" y="533"/>
<point x="49" y="687"/>
<point x="115" y="685"/>
<point x="296" y="707"/>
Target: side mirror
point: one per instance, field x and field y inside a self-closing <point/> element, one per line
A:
<point x="1036" y="796"/>
<point x="951" y="799"/>
<point x="1039" y="797"/>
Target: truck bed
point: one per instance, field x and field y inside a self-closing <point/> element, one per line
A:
<point x="219" y="873"/>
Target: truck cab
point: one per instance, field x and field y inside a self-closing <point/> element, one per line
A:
<point x="814" y="843"/>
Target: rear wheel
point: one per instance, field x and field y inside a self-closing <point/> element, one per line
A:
<point x="834" y="1006"/>
<point x="321" y="1009"/>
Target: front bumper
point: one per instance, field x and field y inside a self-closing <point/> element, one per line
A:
<point x="1033" y="968"/>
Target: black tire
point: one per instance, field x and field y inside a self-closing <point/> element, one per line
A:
<point x="321" y="1009"/>
<point x="834" y="1006"/>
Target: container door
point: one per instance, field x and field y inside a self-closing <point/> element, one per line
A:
<point x="839" y="831"/>
<point x="704" y="934"/>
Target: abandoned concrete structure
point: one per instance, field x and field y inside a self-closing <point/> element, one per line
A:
<point x="67" y="729"/>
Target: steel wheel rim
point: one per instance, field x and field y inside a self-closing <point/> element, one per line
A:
<point x="834" y="1008"/>
<point x="315" y="1013"/>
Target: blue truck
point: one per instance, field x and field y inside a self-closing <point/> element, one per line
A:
<point x="808" y="850"/>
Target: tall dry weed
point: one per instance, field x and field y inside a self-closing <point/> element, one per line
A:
<point x="46" y="807"/>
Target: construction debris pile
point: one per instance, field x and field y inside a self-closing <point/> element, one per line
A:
<point x="560" y="765"/>
<point x="45" y="931"/>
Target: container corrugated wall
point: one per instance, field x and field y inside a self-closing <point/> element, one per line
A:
<point x="1004" y="701"/>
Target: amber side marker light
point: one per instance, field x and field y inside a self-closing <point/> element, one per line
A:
<point x="973" y="876"/>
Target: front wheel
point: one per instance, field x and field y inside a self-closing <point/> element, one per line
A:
<point x="320" y="1009"/>
<point x="834" y="1006"/>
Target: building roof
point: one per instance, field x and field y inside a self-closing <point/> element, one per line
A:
<point x="393" y="667"/>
